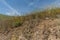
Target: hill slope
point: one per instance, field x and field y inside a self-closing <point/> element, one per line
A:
<point x="35" y="30"/>
<point x="41" y="25"/>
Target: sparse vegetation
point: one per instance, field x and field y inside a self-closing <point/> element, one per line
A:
<point x="16" y="21"/>
<point x="26" y="24"/>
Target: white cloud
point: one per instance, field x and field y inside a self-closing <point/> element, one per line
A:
<point x="8" y="13"/>
<point x="31" y="4"/>
<point x="12" y="14"/>
<point x="14" y="11"/>
<point x="54" y="4"/>
<point x="57" y="3"/>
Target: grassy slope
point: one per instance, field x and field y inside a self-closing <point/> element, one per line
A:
<point x="4" y="17"/>
<point x="16" y="21"/>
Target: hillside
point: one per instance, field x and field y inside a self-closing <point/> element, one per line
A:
<point x="4" y="17"/>
<point x="41" y="25"/>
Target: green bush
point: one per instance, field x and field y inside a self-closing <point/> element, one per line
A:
<point x="17" y="24"/>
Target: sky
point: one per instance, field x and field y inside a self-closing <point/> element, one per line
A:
<point x="20" y="7"/>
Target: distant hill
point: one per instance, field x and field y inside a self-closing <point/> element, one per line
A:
<point x="4" y="17"/>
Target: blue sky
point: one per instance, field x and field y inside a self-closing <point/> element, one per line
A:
<point x="20" y="7"/>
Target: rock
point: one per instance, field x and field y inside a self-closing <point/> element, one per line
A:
<point x="35" y="30"/>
